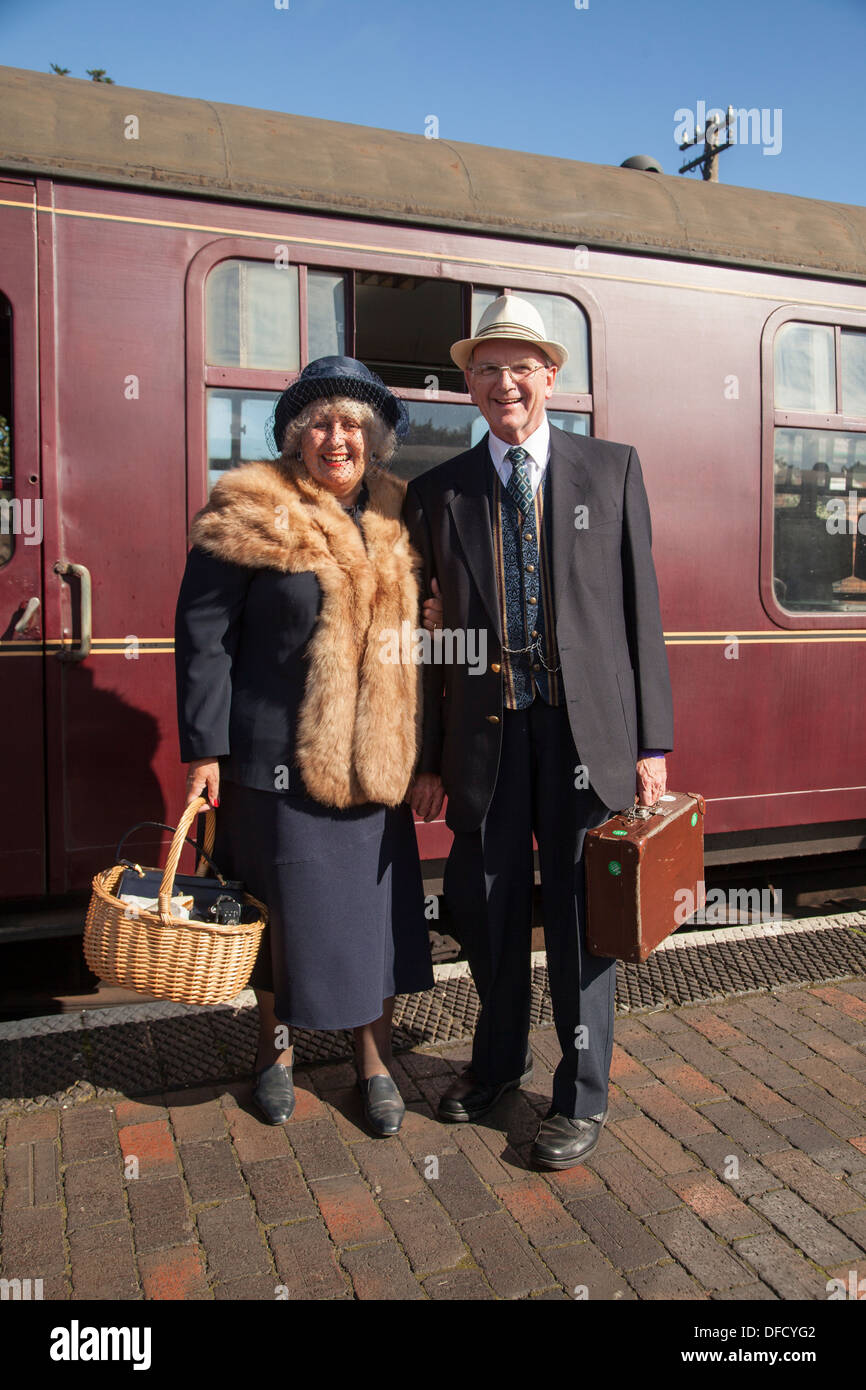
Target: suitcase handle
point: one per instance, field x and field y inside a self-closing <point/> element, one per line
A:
<point x="635" y="812"/>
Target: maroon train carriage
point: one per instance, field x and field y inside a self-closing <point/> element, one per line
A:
<point x="169" y="265"/>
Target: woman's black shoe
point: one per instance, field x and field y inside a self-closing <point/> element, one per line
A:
<point x="383" y="1104"/>
<point x="275" y="1093"/>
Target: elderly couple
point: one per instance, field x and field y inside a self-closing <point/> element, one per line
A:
<point x="314" y="748"/>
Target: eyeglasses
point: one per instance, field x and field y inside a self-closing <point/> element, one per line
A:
<point x="519" y="372"/>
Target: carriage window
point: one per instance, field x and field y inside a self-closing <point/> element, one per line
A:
<point x="401" y="326"/>
<point x="569" y="421"/>
<point x="819" y="529"/>
<point x="326" y="314"/>
<point x="564" y="322"/>
<point x="805" y="368"/>
<point x="251" y="311"/>
<point x="7" y="539"/>
<point x="481" y="300"/>
<point x="439" y="430"/>
<point x="404" y="328"/>
<point x="853" y="373"/>
<point x="409" y="352"/>
<point x="236" y="423"/>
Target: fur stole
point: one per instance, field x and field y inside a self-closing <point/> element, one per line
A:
<point x="359" y="723"/>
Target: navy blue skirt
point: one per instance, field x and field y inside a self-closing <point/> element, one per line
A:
<point x="345" y="902"/>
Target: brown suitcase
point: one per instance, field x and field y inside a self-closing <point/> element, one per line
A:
<point x="644" y="875"/>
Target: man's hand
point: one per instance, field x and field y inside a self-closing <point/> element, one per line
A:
<point x="203" y="779"/>
<point x="651" y="780"/>
<point x="432" y="608"/>
<point x="426" y="795"/>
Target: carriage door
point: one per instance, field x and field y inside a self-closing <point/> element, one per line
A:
<point x="22" y="832"/>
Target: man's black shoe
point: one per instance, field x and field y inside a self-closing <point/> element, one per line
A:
<point x="461" y="1106"/>
<point x="562" y="1142"/>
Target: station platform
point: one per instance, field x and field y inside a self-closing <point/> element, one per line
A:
<point x="732" y="1166"/>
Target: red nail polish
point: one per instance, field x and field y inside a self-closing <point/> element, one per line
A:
<point x="216" y="801"/>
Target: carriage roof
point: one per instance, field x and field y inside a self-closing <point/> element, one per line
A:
<point x="72" y="129"/>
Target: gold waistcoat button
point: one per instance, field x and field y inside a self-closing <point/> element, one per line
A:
<point x="494" y="666"/>
<point x="492" y="718"/>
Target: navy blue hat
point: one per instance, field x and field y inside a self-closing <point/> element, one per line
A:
<point x="338" y="376"/>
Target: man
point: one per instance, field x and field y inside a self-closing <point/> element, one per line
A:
<point x="543" y="539"/>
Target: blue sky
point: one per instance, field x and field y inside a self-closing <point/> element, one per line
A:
<point x="598" y="83"/>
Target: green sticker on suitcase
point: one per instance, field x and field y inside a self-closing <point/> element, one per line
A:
<point x="619" y="832"/>
<point x="694" y="817"/>
<point x="614" y="867"/>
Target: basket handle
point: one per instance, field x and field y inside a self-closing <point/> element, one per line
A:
<point x="204" y="852"/>
<point x="166" y="888"/>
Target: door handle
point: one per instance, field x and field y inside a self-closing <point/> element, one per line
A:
<point x="82" y="574"/>
<point x="28" y="615"/>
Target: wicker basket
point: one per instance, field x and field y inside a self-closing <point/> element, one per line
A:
<point x="169" y="957"/>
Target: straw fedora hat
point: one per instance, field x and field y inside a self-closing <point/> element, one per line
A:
<point x="509" y="316"/>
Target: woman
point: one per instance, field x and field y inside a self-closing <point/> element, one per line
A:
<point x="295" y="725"/>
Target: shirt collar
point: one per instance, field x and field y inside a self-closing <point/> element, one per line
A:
<point x="537" y="446"/>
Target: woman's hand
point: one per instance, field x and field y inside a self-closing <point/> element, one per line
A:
<point x="432" y="608"/>
<point x="203" y="779"/>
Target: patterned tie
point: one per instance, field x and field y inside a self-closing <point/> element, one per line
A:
<point x="518" y="487"/>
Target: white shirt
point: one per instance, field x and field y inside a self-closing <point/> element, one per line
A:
<point x="537" y="447"/>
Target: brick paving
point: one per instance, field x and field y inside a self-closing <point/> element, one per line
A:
<point x="732" y="1167"/>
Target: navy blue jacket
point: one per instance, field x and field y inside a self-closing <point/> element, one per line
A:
<point x="240" y="640"/>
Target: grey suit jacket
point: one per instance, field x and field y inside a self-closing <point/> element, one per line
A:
<point x="608" y="625"/>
